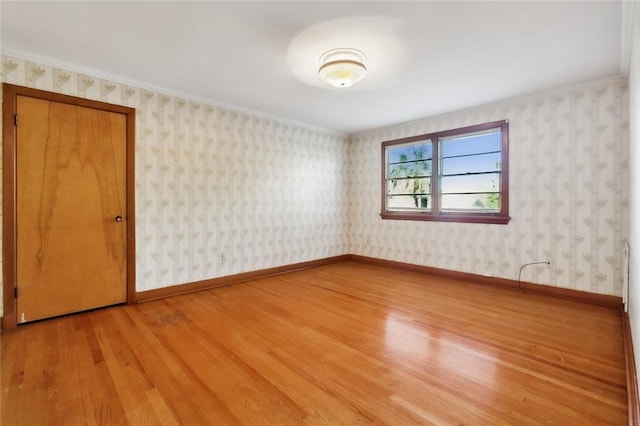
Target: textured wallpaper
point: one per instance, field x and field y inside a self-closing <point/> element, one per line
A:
<point x="568" y="193"/>
<point x="218" y="192"/>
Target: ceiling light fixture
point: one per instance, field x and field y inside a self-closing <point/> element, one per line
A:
<point x="342" y="67"/>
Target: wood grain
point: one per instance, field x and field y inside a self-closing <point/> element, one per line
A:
<point x="10" y="171"/>
<point x="343" y="343"/>
<point x="176" y="290"/>
<point x="568" y="293"/>
<point x="9" y="100"/>
<point x="632" y="376"/>
<point x="71" y="253"/>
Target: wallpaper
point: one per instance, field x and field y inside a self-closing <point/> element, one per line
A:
<point x="568" y="189"/>
<point x="218" y="191"/>
<point x="221" y="191"/>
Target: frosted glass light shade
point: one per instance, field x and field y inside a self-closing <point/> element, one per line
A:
<point x="342" y="67"/>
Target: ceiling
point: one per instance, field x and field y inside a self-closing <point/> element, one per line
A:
<point x="424" y="58"/>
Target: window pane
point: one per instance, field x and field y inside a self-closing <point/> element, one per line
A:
<point x="408" y="202"/>
<point x="410" y="169"/>
<point x="470" y="171"/>
<point x="411" y="152"/>
<point x="472" y="164"/>
<point x="470" y="202"/>
<point x="472" y="183"/>
<point x="409" y="186"/>
<point x="471" y="144"/>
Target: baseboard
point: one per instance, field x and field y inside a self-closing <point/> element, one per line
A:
<point x="160" y="293"/>
<point x="630" y="367"/>
<point x="582" y="296"/>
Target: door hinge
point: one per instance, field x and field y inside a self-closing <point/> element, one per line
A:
<point x="15" y="293"/>
<point x="15" y="119"/>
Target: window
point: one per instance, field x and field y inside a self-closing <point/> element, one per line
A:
<point x="459" y="175"/>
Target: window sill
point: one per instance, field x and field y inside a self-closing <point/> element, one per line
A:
<point x="492" y="219"/>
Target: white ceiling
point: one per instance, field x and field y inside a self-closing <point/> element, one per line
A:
<point x="424" y="58"/>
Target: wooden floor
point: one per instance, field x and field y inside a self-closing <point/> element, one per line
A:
<point x="340" y="344"/>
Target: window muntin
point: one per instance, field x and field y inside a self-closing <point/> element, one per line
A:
<point x="408" y="176"/>
<point x="456" y="175"/>
<point x="472" y="184"/>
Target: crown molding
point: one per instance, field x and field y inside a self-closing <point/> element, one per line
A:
<point x="495" y="104"/>
<point x="67" y="66"/>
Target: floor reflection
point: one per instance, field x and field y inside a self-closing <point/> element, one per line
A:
<point x="416" y="344"/>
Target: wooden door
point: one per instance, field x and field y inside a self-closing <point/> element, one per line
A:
<point x="71" y="239"/>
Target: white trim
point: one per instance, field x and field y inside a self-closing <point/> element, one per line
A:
<point x="152" y="87"/>
<point x="626" y="249"/>
<point x="523" y="98"/>
<point x="626" y="34"/>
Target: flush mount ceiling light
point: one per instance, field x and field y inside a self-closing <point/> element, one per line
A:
<point x="342" y="67"/>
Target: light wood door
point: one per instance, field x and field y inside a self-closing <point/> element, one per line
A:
<point x="70" y="208"/>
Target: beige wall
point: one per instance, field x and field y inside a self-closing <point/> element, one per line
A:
<point x="211" y="180"/>
<point x="568" y="193"/>
<point x="268" y="192"/>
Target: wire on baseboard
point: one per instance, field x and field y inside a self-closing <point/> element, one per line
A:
<point x="548" y="262"/>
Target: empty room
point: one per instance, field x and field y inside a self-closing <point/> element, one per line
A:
<point x="270" y="213"/>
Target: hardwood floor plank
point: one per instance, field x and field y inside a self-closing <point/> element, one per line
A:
<point x="472" y="358"/>
<point x="346" y="343"/>
<point x="12" y="376"/>
<point x="127" y="374"/>
<point x="173" y="377"/>
<point x="255" y="350"/>
<point x="356" y="329"/>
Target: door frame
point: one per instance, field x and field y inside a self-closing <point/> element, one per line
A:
<point x="9" y="189"/>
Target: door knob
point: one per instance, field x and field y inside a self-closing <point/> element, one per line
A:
<point x="118" y="218"/>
